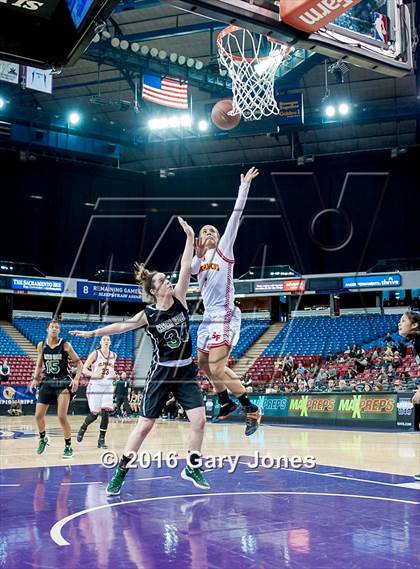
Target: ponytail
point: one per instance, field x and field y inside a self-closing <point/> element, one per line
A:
<point x="144" y="277"/>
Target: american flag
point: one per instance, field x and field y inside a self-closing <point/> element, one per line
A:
<point x="165" y="91"/>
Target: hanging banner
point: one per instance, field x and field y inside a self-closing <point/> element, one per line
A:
<point x="38" y="79"/>
<point x="9" y="72"/>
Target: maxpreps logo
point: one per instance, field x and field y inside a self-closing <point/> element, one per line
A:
<point x="316" y="405"/>
<point x="361" y="404"/>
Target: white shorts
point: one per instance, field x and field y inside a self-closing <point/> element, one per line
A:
<point x="99" y="393"/>
<point x="219" y="328"/>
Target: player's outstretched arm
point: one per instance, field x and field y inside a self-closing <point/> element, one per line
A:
<point x="185" y="270"/>
<point x="228" y="238"/>
<point x="133" y="323"/>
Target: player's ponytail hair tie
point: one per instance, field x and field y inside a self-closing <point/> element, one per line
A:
<point x="144" y="277"/>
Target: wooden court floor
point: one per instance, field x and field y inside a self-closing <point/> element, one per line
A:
<point x="391" y="452"/>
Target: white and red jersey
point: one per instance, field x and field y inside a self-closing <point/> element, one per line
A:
<point x="215" y="270"/>
<point x="104" y="367"/>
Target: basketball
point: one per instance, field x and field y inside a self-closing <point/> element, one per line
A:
<point x="220" y="116"/>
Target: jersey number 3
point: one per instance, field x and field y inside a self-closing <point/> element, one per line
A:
<point x="174" y="338"/>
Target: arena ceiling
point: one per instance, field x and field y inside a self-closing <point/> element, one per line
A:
<point x="385" y="111"/>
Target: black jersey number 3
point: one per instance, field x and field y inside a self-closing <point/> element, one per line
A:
<point x="174" y="338"/>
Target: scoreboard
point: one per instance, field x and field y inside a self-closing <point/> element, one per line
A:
<point x="49" y="33"/>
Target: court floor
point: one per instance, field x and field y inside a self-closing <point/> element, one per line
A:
<point x="358" y="508"/>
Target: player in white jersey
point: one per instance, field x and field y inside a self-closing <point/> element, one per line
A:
<point x="100" y="367"/>
<point x="219" y="331"/>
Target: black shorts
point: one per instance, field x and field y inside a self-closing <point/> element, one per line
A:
<point x="181" y="381"/>
<point x="51" y="388"/>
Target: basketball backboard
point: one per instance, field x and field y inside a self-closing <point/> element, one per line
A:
<point x="375" y="34"/>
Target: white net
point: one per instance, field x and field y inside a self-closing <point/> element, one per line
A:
<point x="251" y="61"/>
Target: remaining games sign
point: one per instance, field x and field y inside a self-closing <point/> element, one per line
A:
<point x="37" y="285"/>
<point x="374" y="281"/>
<point x="108" y="291"/>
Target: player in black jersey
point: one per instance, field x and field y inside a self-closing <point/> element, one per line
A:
<point x="409" y="327"/>
<point x="171" y="370"/>
<point x="54" y="355"/>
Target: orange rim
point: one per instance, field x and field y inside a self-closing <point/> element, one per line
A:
<point x="232" y="29"/>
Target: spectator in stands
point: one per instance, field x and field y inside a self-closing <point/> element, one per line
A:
<point x="391" y="373"/>
<point x="313" y="368"/>
<point x="4" y="371"/>
<point x="396" y="360"/>
<point x="342" y="385"/>
<point x="15" y="409"/>
<point x="171" y="408"/>
<point x="405" y="376"/>
<point x="278" y="364"/>
<point x="353" y="385"/>
<point x="330" y="357"/>
<point x="302" y="385"/>
<point x="300" y="368"/>
<point x="382" y="375"/>
<point x="332" y="373"/>
<point x="288" y="364"/>
<point x="361" y="364"/>
<point x="367" y="388"/>
<point x="378" y="387"/>
<point x="247" y="381"/>
<point x="388" y="337"/>
<point x="398" y="386"/>
<point x="353" y="351"/>
<point x="134" y="403"/>
<point x="122" y="389"/>
<point x="311" y="384"/>
<point x="388" y="354"/>
<point x="350" y="374"/>
<point x="331" y="385"/>
<point x="402" y="348"/>
<point x="322" y="375"/>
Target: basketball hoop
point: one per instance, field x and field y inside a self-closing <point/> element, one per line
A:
<point x="251" y="61"/>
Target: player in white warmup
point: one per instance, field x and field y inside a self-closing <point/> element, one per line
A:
<point x="220" y="329"/>
<point x="100" y="367"/>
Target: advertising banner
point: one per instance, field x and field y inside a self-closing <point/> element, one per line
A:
<point x="9" y="393"/>
<point x="367" y="407"/>
<point x="37" y="285"/>
<point x="316" y="407"/>
<point x="272" y="405"/>
<point x="405" y="411"/>
<point x="374" y="281"/>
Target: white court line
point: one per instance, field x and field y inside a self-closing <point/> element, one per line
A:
<point x="4" y="485"/>
<point x="413" y="485"/>
<point x="75" y="483"/>
<point x="343" y="477"/>
<point x="55" y="531"/>
<point x="154" y="478"/>
<point x="250" y="471"/>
